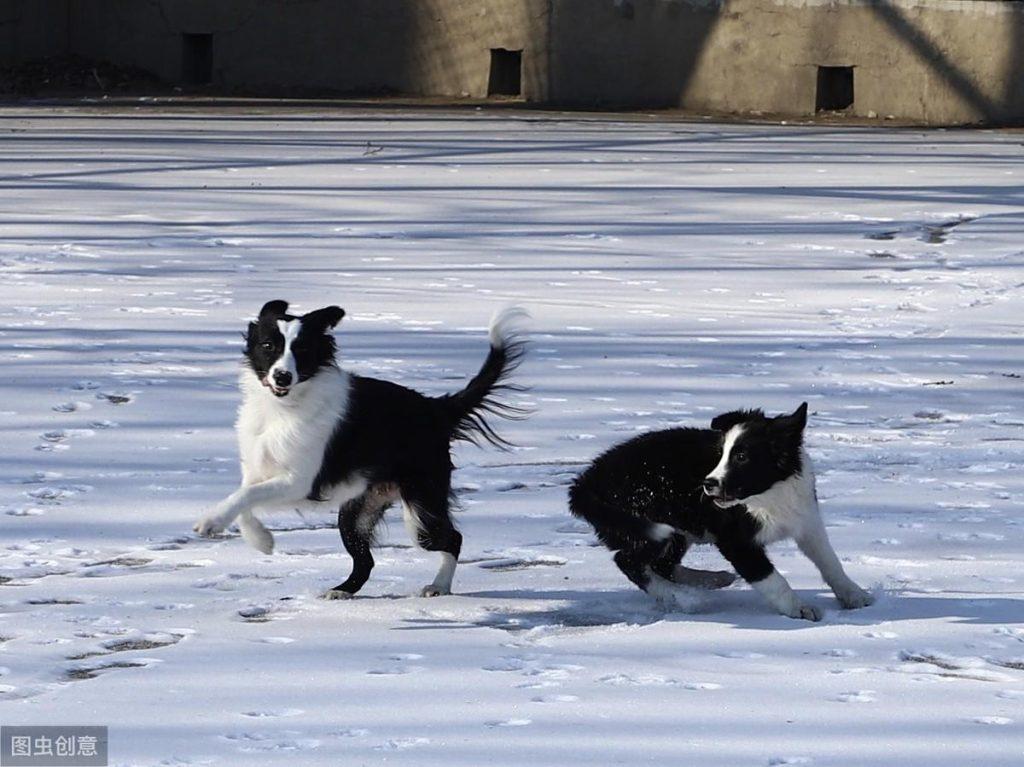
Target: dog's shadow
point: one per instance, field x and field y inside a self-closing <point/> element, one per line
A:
<point x="576" y="611"/>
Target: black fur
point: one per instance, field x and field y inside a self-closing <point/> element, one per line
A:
<point x="397" y="439"/>
<point x="658" y="478"/>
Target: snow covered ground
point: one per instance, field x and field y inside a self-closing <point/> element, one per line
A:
<point x="674" y="270"/>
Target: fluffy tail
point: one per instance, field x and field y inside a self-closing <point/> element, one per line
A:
<point x="469" y="408"/>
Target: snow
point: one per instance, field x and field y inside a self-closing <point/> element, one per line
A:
<point x="673" y="270"/>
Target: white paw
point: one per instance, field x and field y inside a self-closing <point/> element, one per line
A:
<point x="264" y="545"/>
<point x="208" y="526"/>
<point x="257" y="536"/>
<point x="806" y="612"/>
<point x="337" y="594"/>
<point x="855" y="597"/>
<point x="431" y="590"/>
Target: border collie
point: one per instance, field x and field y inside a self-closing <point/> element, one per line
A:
<point x="309" y="430"/>
<point x="742" y="484"/>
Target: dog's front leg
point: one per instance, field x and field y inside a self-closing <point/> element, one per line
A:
<point x="275" y="491"/>
<point x="752" y="563"/>
<point x="815" y="545"/>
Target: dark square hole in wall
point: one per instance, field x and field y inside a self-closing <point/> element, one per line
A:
<point x="506" y="73"/>
<point x="197" y="59"/>
<point x="835" y="89"/>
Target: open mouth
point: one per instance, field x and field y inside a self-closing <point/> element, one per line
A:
<point x="277" y="391"/>
<point x="720" y="499"/>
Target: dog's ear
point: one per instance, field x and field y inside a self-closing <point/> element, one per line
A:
<point x="250" y="333"/>
<point x="273" y="309"/>
<point x="793" y="423"/>
<point x="787" y="436"/>
<point x="726" y="421"/>
<point x="324" y="318"/>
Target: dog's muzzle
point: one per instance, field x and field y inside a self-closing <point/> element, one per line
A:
<point x="277" y="391"/>
<point x="713" y="489"/>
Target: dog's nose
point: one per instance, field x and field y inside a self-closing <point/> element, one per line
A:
<point x="711" y="485"/>
<point x="282" y="378"/>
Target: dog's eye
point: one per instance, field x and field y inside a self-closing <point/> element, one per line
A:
<point x="267" y="345"/>
<point x="740" y="457"/>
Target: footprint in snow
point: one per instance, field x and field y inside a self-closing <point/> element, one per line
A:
<point x="996" y="720"/>
<point x="54" y="495"/>
<point x="23" y="511"/>
<point x="256" y="614"/>
<point x="149" y="641"/>
<point x="840" y="653"/>
<point x="554" y="699"/>
<point x="644" y="680"/>
<point x="273" y="713"/>
<point x="700" y="686"/>
<point x="738" y="655"/>
<point x="509" y="723"/>
<point x="856" y="696"/>
<point x="71" y="407"/>
<point x="295" y="744"/>
<point x="116" y="398"/>
<point x="79" y="673"/>
<point x="509" y="663"/>
<point x="395" y="670"/>
<point x="398" y="744"/>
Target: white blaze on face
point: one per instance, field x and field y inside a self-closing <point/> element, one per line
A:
<point x="730" y="441"/>
<point x="286" y="362"/>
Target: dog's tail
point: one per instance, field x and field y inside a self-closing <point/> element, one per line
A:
<point x="469" y="408"/>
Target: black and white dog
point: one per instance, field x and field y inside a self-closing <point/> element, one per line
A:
<point x="309" y="430"/>
<point x="743" y="484"/>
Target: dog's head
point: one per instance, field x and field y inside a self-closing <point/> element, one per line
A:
<point x="285" y="350"/>
<point x="757" y="452"/>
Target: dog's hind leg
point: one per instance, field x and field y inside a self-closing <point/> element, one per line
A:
<point x="357" y="519"/>
<point x="431" y="526"/>
<point x="639" y="567"/>
<point x="667" y="566"/>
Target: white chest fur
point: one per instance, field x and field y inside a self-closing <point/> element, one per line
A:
<point x="785" y="509"/>
<point x="288" y="436"/>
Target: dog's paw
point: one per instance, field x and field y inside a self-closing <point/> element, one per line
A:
<point x="264" y="545"/>
<point x="208" y="526"/>
<point x="430" y="590"/>
<point x="806" y="612"/>
<point x="855" y="597"/>
<point x="257" y="536"/>
<point x="337" y="594"/>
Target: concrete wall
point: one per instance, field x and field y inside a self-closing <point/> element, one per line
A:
<point x="935" y="61"/>
<point x="32" y="30"/>
<point x="419" y="47"/>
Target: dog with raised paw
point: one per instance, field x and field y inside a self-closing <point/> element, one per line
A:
<point x="308" y="430"/>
